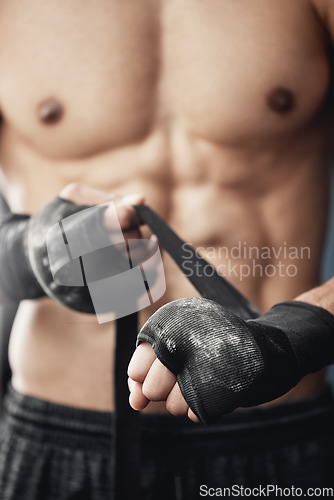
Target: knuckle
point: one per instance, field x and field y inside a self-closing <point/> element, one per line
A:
<point x="150" y="392"/>
<point x="135" y="373"/>
<point x="131" y="372"/>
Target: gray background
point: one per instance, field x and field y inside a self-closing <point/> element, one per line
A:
<point x="328" y="262"/>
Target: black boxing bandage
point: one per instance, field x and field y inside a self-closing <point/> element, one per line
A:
<point x="223" y="362"/>
<point x="17" y="279"/>
<point x="24" y="254"/>
<point x="201" y="274"/>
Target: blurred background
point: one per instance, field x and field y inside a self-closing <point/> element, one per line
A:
<point x="328" y="261"/>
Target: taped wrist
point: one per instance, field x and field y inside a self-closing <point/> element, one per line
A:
<point x="309" y="329"/>
<point x="223" y="362"/>
<point x="17" y="279"/>
<point x="24" y="255"/>
<point x="71" y="290"/>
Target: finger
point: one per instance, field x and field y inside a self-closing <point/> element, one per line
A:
<point x="141" y="362"/>
<point x="132" y="234"/>
<point x="125" y="208"/>
<point x="175" y="403"/>
<point x="126" y="215"/>
<point x="137" y="399"/>
<point x="158" y="382"/>
<point x="132" y="199"/>
<point x="81" y="194"/>
<point x="193" y="417"/>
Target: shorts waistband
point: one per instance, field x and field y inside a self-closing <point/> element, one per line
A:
<point x="295" y="417"/>
<point x="62" y="425"/>
<point x="67" y="426"/>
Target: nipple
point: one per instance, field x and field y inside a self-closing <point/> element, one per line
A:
<point x="50" y="111"/>
<point x="281" y="100"/>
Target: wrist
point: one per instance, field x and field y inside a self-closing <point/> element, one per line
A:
<point x="309" y="329"/>
<point x="321" y="296"/>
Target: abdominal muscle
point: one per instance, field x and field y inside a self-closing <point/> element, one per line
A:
<point x="68" y="358"/>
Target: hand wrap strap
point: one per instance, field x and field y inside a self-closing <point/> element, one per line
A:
<point x="203" y="276"/>
<point x="223" y="362"/>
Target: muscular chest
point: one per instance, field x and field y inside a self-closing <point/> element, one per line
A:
<point x="120" y="69"/>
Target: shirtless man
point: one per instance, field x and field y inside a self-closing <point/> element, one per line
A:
<point x="217" y="112"/>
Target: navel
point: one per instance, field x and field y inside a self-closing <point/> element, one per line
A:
<point x="50" y="111"/>
<point x="281" y="100"/>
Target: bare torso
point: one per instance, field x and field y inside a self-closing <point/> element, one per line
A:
<point x="215" y="110"/>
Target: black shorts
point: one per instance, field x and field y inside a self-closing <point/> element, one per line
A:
<point x="55" y="452"/>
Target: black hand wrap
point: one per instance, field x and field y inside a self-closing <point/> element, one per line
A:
<point x="223" y="362"/>
<point x="24" y="261"/>
<point x="86" y="229"/>
<point x="17" y="279"/>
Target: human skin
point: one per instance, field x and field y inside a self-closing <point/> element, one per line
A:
<point x="217" y="112"/>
